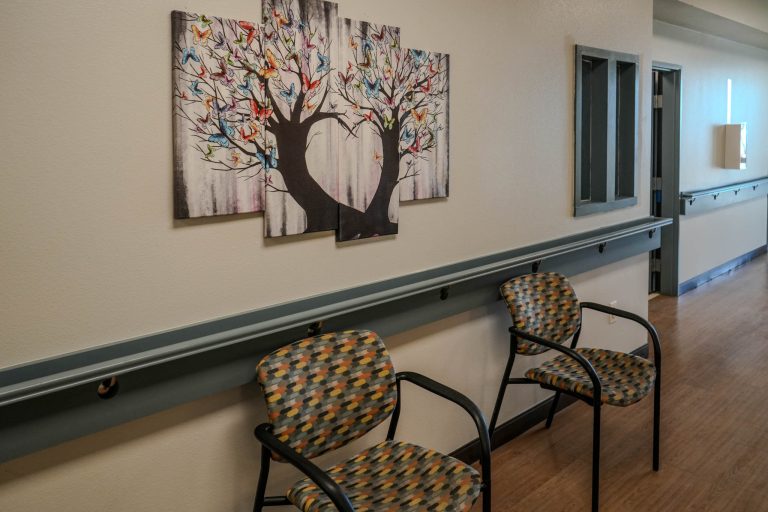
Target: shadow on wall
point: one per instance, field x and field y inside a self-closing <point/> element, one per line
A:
<point x="718" y="145"/>
<point x="156" y="425"/>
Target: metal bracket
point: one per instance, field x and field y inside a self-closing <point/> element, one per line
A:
<point x="108" y="388"/>
<point x="315" y="328"/>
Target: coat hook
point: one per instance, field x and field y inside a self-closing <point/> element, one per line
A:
<point x="108" y="388"/>
<point x="535" y="266"/>
<point x="715" y="196"/>
<point x="651" y="233"/>
<point x="444" y="292"/>
<point x="690" y="203"/>
<point x="601" y="247"/>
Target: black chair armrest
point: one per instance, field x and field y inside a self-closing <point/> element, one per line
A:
<point x="264" y="434"/>
<point x="598" y="389"/>
<point x="466" y="404"/>
<point x="608" y="310"/>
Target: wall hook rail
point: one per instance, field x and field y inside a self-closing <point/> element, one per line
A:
<point x="50" y="401"/>
<point x="714" y="197"/>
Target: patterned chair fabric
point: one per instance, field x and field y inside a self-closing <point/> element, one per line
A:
<point x="544" y="305"/>
<point x="323" y="392"/>
<point x="394" y="476"/>
<point x="624" y="378"/>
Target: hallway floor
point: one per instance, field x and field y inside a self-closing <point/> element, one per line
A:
<point x="714" y="444"/>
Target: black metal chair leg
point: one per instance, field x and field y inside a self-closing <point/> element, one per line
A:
<point x="487" y="499"/>
<point x="502" y="389"/>
<point x="553" y="409"/>
<point x="596" y="458"/>
<point x="261" y="489"/>
<point x="656" y="420"/>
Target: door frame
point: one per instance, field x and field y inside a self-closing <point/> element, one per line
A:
<point x="671" y="75"/>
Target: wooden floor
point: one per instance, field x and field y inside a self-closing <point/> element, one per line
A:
<point x="714" y="444"/>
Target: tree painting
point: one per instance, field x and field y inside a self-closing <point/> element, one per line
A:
<point x="396" y="101"/>
<point x="217" y="169"/>
<point x="300" y="44"/>
<point x="323" y="123"/>
<point x="424" y="126"/>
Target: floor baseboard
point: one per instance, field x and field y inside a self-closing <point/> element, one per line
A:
<point x="719" y="270"/>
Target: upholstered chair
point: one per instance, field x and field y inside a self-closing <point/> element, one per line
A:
<point x="546" y="315"/>
<point x="325" y="391"/>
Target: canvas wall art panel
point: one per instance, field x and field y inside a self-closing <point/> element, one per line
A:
<point x="424" y="126"/>
<point x="322" y="123"/>
<point x="300" y="48"/>
<point x="218" y="155"/>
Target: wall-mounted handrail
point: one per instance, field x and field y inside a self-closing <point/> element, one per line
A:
<point x="49" y="375"/>
<point x="704" y="199"/>
<point x="731" y="187"/>
<point x="49" y="401"/>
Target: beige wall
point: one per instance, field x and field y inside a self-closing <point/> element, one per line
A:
<point x="91" y="253"/>
<point x="749" y="12"/>
<point x="710" y="239"/>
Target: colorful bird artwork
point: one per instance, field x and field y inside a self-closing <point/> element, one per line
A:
<point x="267" y="159"/>
<point x="189" y="53"/>
<point x="250" y="31"/>
<point x="261" y="112"/>
<point x="372" y="89"/>
<point x="201" y="36"/>
<point x="339" y="99"/>
<point x="419" y="116"/>
<point x="308" y="85"/>
<point x="195" y="88"/>
<point x="270" y="70"/>
<point x="289" y="94"/>
<point x="325" y="63"/>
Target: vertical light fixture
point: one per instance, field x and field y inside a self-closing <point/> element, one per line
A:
<point x="735" y="150"/>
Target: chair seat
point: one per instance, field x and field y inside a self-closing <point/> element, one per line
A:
<point x="624" y="378"/>
<point x="395" y="476"/>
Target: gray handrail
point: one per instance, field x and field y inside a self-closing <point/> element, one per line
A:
<point x="731" y="187"/>
<point x="37" y="378"/>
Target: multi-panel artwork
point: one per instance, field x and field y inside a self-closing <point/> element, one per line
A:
<point x="323" y="123"/>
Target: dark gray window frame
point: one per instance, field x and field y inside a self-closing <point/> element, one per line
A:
<point x="615" y="138"/>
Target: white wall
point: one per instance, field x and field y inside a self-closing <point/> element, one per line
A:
<point x="749" y="12"/>
<point x="91" y="254"/>
<point x="710" y="239"/>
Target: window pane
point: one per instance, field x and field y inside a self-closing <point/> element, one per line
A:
<point x="626" y="77"/>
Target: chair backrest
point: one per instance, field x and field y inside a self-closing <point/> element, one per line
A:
<point x="544" y="305"/>
<point x="323" y="392"/>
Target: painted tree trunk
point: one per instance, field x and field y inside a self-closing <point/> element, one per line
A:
<point x="378" y="211"/>
<point x="320" y="208"/>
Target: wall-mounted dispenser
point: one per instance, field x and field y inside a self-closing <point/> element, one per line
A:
<point x="735" y="146"/>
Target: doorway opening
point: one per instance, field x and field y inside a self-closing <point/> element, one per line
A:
<point x="665" y="176"/>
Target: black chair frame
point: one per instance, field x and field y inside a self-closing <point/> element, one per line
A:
<point x="270" y="444"/>
<point x="596" y="404"/>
